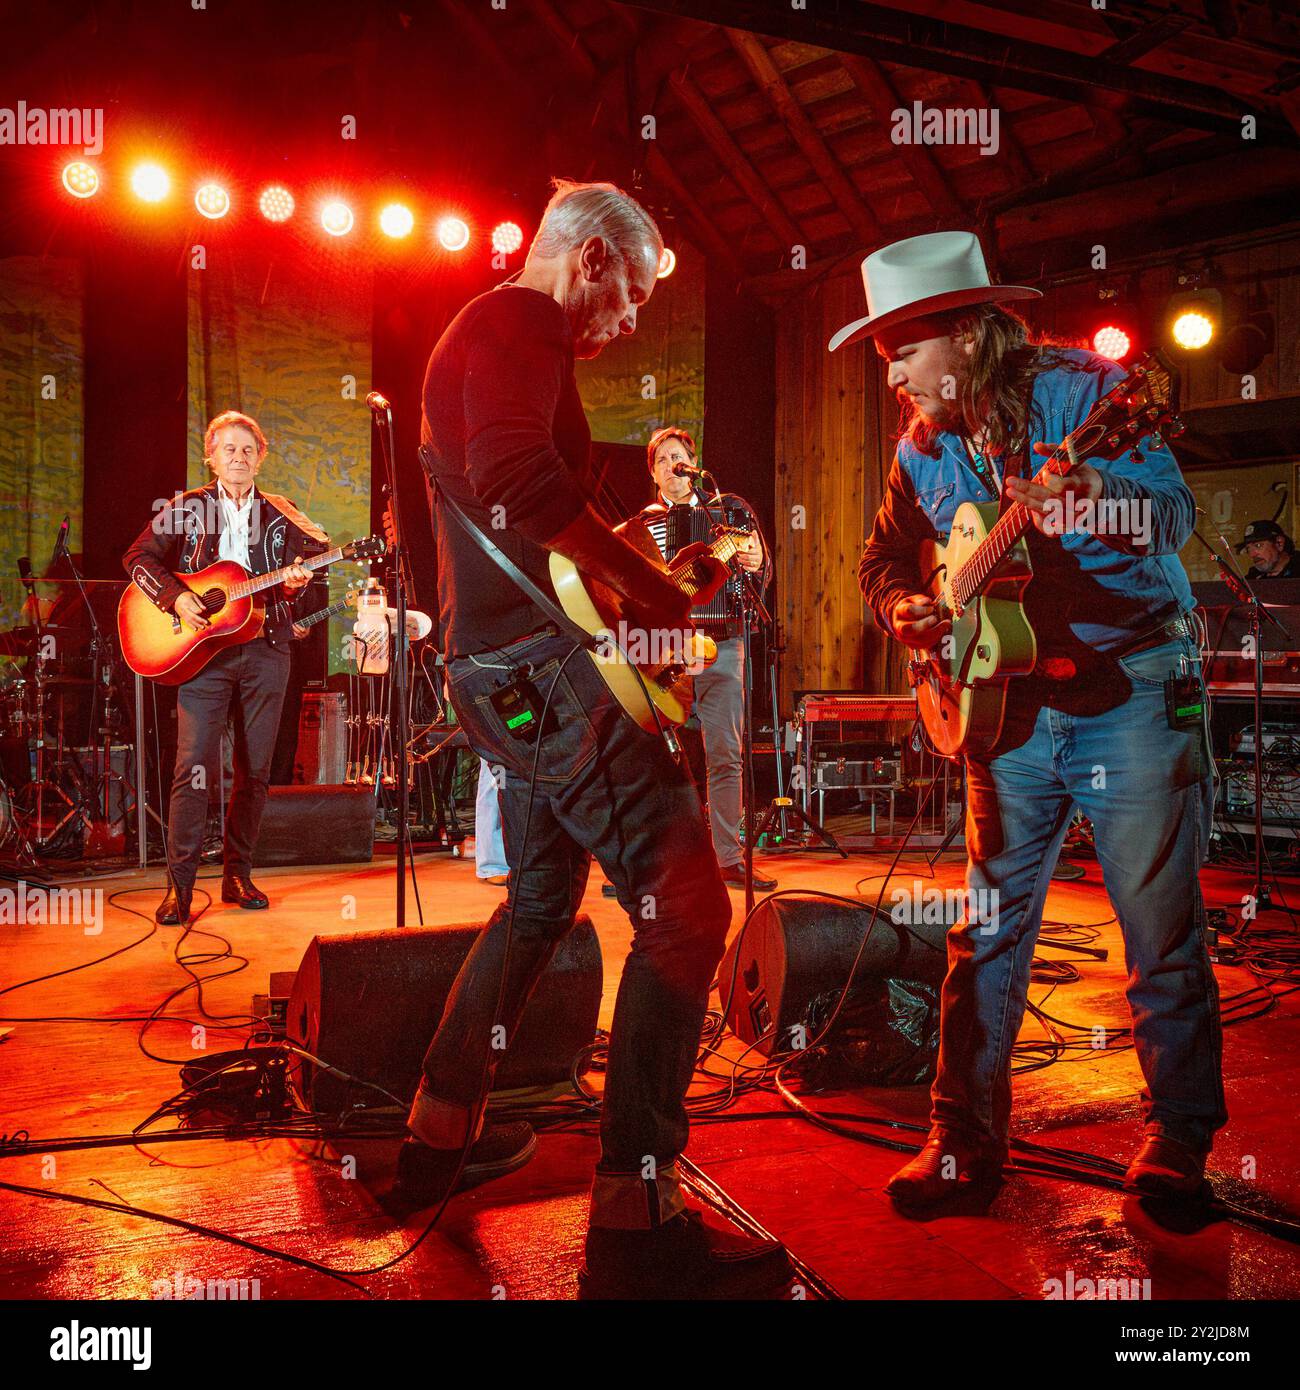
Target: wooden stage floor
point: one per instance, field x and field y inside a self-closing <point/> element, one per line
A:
<point x="522" y="1237"/>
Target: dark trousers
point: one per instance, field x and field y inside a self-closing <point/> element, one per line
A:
<point x="606" y="788"/>
<point x="247" y="682"/>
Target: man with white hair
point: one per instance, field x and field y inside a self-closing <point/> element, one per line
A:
<point x="229" y="519"/>
<point x="507" y="439"/>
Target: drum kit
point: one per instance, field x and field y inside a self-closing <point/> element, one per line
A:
<point x="62" y="719"/>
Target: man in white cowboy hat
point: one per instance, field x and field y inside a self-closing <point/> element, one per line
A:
<point x="1088" y="726"/>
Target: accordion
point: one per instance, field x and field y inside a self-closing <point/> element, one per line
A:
<point x="683" y="525"/>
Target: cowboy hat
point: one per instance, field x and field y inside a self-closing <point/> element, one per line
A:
<point x="925" y="275"/>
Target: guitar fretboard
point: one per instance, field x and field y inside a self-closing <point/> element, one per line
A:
<point x="258" y="582"/>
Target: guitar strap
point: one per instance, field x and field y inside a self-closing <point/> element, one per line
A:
<point x="494" y="552"/>
<point x="1017" y="464"/>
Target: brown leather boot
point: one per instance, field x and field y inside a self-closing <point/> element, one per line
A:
<point x="1166" y="1167"/>
<point x="950" y="1164"/>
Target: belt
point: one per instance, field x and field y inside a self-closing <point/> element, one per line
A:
<point x="1181" y="626"/>
<point x="546" y="630"/>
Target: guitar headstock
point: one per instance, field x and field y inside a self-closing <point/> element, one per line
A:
<point x="371" y="548"/>
<point x="1144" y="403"/>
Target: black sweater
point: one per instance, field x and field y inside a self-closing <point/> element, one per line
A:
<point x="511" y="444"/>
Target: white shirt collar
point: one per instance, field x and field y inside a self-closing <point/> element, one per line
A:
<point x="231" y="500"/>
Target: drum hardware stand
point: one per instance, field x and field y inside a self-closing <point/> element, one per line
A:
<point x="1239" y="586"/>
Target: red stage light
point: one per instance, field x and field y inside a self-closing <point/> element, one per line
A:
<point x="336" y="218"/>
<point x="150" y="183"/>
<point x="667" y="263"/>
<point x="276" y="203"/>
<point x="212" y="201"/>
<point x="453" y="233"/>
<point x="396" y="220"/>
<point x="1112" y="342"/>
<point x="507" y="238"/>
<point x="81" y="179"/>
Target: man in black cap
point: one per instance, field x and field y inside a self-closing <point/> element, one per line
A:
<point x="1271" y="550"/>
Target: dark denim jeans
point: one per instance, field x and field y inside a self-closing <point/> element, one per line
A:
<point x="606" y="788"/>
<point x="1149" y="792"/>
<point x="247" y="681"/>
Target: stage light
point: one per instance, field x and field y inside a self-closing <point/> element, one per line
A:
<point x="150" y="183"/>
<point x="1192" y="329"/>
<point x="453" y="234"/>
<point x="507" y="238"/>
<point x="212" y="201"/>
<point x="336" y="218"/>
<point x="81" y="179"/>
<point x="1112" y="342"/>
<point x="276" y="203"/>
<point x="396" y="220"/>
<point x="667" y="263"/>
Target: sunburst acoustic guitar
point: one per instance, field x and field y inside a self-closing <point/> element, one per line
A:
<point x="158" y="645"/>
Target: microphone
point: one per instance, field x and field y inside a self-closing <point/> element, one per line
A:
<point x="61" y="545"/>
<point x="25" y="572"/>
<point x="377" y="402"/>
<point x="687" y="470"/>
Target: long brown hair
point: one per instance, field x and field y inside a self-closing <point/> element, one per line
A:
<point x="998" y="388"/>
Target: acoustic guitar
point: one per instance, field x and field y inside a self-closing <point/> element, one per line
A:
<point x="158" y="645"/>
<point x="635" y="668"/>
<point x="978" y="577"/>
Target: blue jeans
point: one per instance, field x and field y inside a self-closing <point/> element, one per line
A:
<point x="606" y="788"/>
<point x="1149" y="792"/>
<point x="489" y="844"/>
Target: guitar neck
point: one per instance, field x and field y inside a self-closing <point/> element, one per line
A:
<point x="256" y="583"/>
<point x="723" y="548"/>
<point x="322" y="614"/>
<point x="1008" y="529"/>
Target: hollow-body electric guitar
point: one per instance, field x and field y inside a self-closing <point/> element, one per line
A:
<point x="665" y="666"/>
<point x="158" y="645"/>
<point x="978" y="577"/>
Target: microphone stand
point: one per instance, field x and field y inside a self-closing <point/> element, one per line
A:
<point x="382" y="412"/>
<point x="1240" y="588"/>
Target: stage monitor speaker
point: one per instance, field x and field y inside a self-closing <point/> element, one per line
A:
<point x="368" y="1004"/>
<point x="796" y="949"/>
<point x="317" y="825"/>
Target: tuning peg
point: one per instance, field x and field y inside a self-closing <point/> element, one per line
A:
<point x="1138" y="456"/>
<point x="1175" y="427"/>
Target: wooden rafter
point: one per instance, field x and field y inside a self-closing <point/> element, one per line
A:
<point x="753" y="52"/>
<point x="735" y="161"/>
<point x="882" y="98"/>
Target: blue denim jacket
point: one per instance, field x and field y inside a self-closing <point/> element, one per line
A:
<point x="1098" y="591"/>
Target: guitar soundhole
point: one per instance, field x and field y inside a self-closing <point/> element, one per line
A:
<point x="213" y="600"/>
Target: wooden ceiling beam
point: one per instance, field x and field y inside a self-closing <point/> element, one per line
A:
<point x="568" y="38"/>
<point x="882" y="99"/>
<point x="753" y="53"/>
<point x="938" y="45"/>
<point x="735" y="161"/>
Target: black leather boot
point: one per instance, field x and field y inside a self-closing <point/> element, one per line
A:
<point x="950" y="1164"/>
<point x="175" y="907"/>
<point x="239" y="888"/>
<point x="687" y="1257"/>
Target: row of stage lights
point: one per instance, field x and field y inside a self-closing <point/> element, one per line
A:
<point x="152" y="184"/>
<point x="1190" y="330"/>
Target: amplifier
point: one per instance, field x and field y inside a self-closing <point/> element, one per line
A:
<point x="1281" y="791"/>
<point x="322" y="754"/>
<point x="848" y="772"/>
